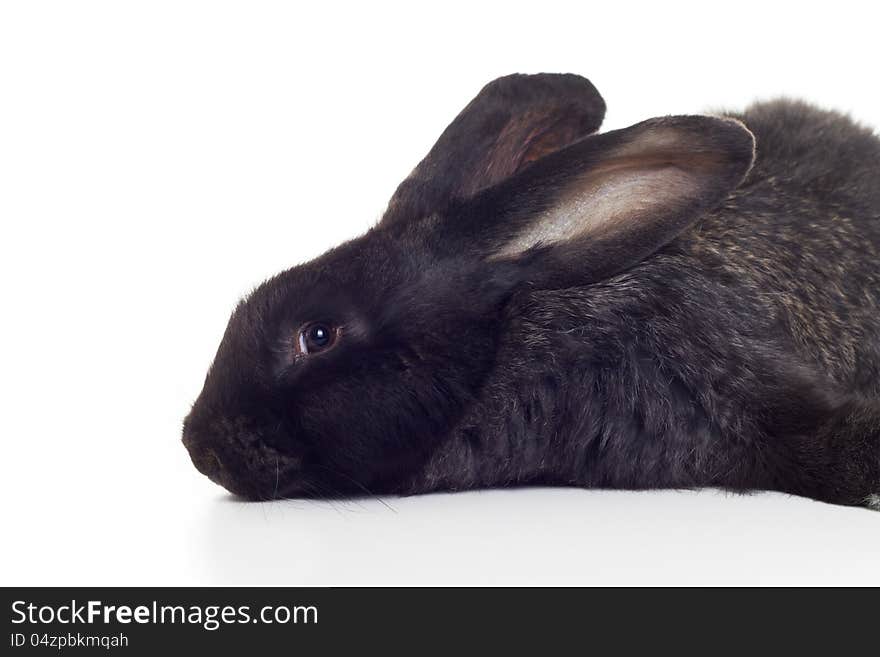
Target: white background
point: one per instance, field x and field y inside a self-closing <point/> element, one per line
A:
<point x="158" y="159"/>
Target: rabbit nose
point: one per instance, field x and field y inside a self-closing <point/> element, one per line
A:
<point x="203" y="457"/>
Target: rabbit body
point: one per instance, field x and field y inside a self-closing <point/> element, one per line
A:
<point x="745" y="354"/>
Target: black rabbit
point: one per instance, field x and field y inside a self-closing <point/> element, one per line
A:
<point x="659" y="306"/>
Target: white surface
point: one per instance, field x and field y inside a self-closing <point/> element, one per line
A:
<point x="157" y="160"/>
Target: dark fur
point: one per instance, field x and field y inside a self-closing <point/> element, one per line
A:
<point x="730" y="341"/>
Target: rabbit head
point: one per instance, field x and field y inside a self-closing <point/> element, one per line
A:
<point x="342" y="375"/>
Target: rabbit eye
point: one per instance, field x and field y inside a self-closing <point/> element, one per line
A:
<point x="316" y="337"/>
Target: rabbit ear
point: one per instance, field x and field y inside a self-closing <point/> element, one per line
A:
<point x="604" y="203"/>
<point x="513" y="121"/>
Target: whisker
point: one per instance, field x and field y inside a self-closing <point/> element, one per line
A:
<point x="359" y="485"/>
<point x="320" y="496"/>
